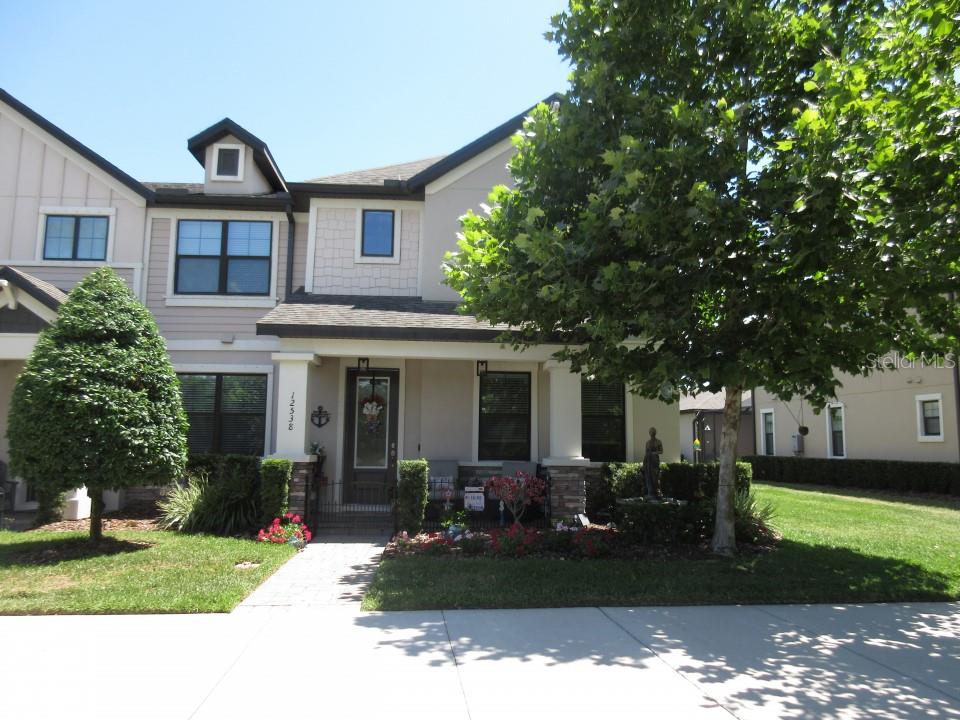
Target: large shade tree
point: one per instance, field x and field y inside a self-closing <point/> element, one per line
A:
<point x="718" y="201"/>
<point x="98" y="403"/>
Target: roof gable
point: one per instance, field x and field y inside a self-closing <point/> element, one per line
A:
<point x="198" y="144"/>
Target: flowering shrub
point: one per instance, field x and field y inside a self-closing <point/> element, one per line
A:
<point x="518" y="492"/>
<point x="289" y="529"/>
<point x="515" y="541"/>
<point x="593" y="542"/>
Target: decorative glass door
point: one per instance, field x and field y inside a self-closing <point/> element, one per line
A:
<point x="370" y="440"/>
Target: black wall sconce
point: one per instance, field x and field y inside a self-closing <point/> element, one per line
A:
<point x="320" y="417"/>
<point x="481" y="367"/>
<point x="363" y="363"/>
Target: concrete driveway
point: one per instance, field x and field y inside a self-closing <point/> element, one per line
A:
<point x="875" y="661"/>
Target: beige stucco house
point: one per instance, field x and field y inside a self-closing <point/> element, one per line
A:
<point x="303" y="314"/>
<point x="907" y="412"/>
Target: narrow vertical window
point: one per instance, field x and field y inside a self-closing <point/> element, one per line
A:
<point x="603" y="421"/>
<point x="835" y="425"/>
<point x="504" y="427"/>
<point x="377" y="233"/>
<point x="930" y="418"/>
<point x="766" y="420"/>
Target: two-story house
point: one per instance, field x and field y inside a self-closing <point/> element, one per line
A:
<point x="304" y="314"/>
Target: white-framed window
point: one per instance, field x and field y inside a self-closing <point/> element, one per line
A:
<point x="930" y="417"/>
<point x="82" y="235"/>
<point x="767" y="432"/>
<point x="378" y="235"/>
<point x="227" y="162"/>
<point x="836" y="431"/>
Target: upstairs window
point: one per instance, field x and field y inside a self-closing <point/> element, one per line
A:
<point x="227" y="413"/>
<point x="228" y="162"/>
<point x="604" y="428"/>
<point x="504" y="416"/>
<point x="75" y="237"/>
<point x="377" y="234"/>
<point x="223" y="257"/>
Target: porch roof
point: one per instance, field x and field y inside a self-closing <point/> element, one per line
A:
<point x="308" y="315"/>
<point x="39" y="290"/>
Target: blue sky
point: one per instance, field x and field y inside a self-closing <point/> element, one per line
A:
<point x="330" y="86"/>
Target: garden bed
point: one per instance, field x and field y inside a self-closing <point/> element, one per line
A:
<point x="835" y="548"/>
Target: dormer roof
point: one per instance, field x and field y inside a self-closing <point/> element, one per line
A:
<point x="198" y="144"/>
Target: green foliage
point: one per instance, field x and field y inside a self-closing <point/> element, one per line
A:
<point x="412" y="494"/>
<point x="753" y="519"/>
<point x="648" y="523"/>
<point x="49" y="505"/>
<point x="275" y="474"/>
<point x="776" y="208"/>
<point x="892" y="475"/>
<point x="98" y="403"/>
<point x="220" y="497"/>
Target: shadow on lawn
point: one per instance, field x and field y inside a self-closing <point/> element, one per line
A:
<point x="49" y="551"/>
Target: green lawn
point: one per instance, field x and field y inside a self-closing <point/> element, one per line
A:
<point x="130" y="572"/>
<point x="838" y="546"/>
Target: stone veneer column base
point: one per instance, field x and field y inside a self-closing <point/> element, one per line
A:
<point x="302" y="471"/>
<point x="568" y="490"/>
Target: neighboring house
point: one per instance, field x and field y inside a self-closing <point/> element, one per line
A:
<point x="908" y="412"/>
<point x="701" y="417"/>
<point x="304" y="313"/>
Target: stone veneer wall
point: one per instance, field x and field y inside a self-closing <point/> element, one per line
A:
<point x="336" y="271"/>
<point x="298" y="487"/>
<point x="568" y="490"/>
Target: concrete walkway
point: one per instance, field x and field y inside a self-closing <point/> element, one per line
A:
<point x="301" y="645"/>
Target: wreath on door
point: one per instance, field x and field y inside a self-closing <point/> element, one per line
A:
<point x="371" y="410"/>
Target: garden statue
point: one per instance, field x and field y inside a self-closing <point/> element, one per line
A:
<point x="651" y="465"/>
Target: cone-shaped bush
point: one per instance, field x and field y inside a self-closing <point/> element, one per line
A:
<point x="98" y="403"/>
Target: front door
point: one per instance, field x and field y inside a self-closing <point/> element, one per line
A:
<point x="370" y="440"/>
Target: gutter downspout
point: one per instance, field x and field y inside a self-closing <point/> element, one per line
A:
<point x="288" y="290"/>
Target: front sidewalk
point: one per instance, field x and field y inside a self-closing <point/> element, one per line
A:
<point x="874" y="661"/>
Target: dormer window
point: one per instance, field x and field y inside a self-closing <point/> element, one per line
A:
<point x="228" y="162"/>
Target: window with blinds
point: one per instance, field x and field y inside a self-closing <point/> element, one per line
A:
<point x="217" y="257"/>
<point x="604" y="423"/>
<point x="504" y="416"/>
<point x="227" y="413"/>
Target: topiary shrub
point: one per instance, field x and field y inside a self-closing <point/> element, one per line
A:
<point x="411" y="494"/>
<point x="666" y="523"/>
<point x="275" y="474"/>
<point x="98" y="403"/>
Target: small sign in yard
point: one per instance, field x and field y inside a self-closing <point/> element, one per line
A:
<point x="473" y="499"/>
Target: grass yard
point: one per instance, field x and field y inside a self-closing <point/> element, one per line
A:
<point x="130" y="572"/>
<point x="838" y="546"/>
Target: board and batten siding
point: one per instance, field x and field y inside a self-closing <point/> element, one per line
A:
<point x="193" y="322"/>
<point x="36" y="171"/>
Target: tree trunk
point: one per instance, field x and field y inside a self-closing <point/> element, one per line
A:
<point x="96" y="513"/>
<point x="724" y="536"/>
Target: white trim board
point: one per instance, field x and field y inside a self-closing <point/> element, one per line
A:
<point x="78" y="211"/>
<point x="215" y="159"/>
<point x="469" y="166"/>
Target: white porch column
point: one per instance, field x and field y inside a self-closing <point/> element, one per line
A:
<point x="76" y="504"/>
<point x="292" y="409"/>
<point x="566" y="442"/>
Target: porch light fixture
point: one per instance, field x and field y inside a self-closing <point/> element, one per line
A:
<point x="481" y="367"/>
<point x="363" y="363"/>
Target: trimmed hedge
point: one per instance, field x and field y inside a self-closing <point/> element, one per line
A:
<point x="681" y="481"/>
<point x="412" y="494"/>
<point x="275" y="474"/>
<point x="894" y="475"/>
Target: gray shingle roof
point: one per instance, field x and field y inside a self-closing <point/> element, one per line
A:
<point x="711" y="401"/>
<point x="374" y="318"/>
<point x="50" y="295"/>
<point x="377" y="175"/>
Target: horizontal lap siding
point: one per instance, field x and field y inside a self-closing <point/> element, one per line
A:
<point x="180" y="323"/>
<point x="66" y="277"/>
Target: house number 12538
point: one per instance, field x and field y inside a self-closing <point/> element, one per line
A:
<point x="293" y="409"/>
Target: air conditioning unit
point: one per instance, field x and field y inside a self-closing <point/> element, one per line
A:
<point x="797" y="439"/>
